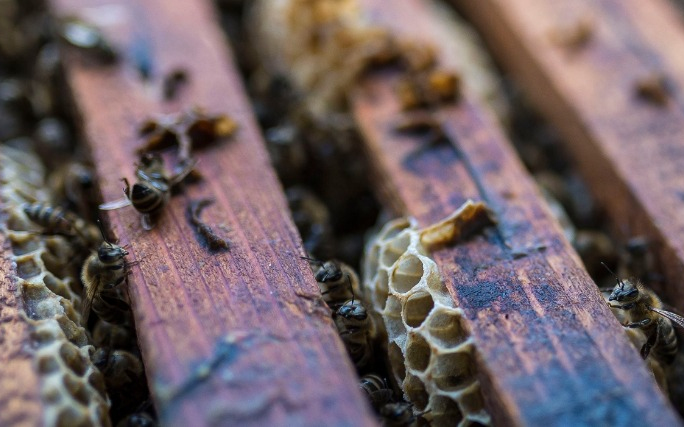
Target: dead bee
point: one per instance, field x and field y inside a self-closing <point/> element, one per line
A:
<point x="103" y="271"/>
<point x="55" y="220"/>
<point x="73" y="183"/>
<point x="379" y="394"/>
<point x="338" y="281"/>
<point x="356" y="329"/>
<point x="643" y="310"/>
<point x="87" y="38"/>
<point x="653" y="88"/>
<point x="152" y="190"/>
<point x="214" y="241"/>
<point x="187" y="130"/>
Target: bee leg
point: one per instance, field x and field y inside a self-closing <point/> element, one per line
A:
<point x="650" y="342"/>
<point x="127" y="188"/>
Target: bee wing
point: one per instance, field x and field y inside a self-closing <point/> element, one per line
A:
<point x="147" y="223"/>
<point x="180" y="176"/>
<point x="116" y="204"/>
<point x="679" y="320"/>
<point x="87" y="303"/>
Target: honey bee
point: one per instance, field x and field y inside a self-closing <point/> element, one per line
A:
<point x="643" y="310"/>
<point x="73" y="184"/>
<point x="356" y="329"/>
<point x="55" y="220"/>
<point x="124" y="377"/>
<point x="152" y="190"/>
<point x="338" y="281"/>
<point x="102" y="273"/>
<point x="112" y="335"/>
<point x="379" y="394"/>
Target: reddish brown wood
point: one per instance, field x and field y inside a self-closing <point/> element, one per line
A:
<point x="628" y="147"/>
<point x="231" y="338"/>
<point x="550" y="351"/>
<point x="20" y="403"/>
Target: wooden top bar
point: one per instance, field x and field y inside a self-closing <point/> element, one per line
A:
<point x="549" y="350"/>
<point x="239" y="337"/>
<point x="623" y="127"/>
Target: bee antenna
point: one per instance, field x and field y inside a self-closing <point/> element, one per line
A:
<point x="620" y="282"/>
<point x="99" y="225"/>
<point x="317" y="261"/>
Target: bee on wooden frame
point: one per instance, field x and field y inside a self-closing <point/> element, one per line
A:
<point x="644" y="310"/>
<point x="152" y="190"/>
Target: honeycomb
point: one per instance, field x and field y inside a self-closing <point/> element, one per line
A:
<point x="430" y="352"/>
<point x="72" y="389"/>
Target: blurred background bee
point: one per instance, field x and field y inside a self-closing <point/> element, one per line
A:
<point x="57" y="221"/>
<point x="152" y="190"/>
<point x="73" y="185"/>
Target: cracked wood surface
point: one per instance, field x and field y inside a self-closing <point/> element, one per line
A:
<point x="236" y="337"/>
<point x="549" y="350"/>
<point x="628" y="146"/>
<point x="20" y="392"/>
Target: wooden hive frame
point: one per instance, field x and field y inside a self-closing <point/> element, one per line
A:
<point x="543" y="334"/>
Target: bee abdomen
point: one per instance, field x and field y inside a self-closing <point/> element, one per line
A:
<point x="666" y="348"/>
<point x="146" y="199"/>
<point x="51" y="218"/>
<point x="371" y="383"/>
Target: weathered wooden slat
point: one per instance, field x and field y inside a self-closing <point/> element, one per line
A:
<point x="550" y="352"/>
<point x="20" y="393"/>
<point x="627" y="145"/>
<point x="239" y="337"/>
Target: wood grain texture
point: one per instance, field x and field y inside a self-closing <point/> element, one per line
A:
<point x="20" y="403"/>
<point x="549" y="350"/>
<point x="239" y="337"/>
<point x="628" y="148"/>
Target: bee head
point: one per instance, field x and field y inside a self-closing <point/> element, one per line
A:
<point x="109" y="252"/>
<point x="330" y="271"/>
<point x="624" y="291"/>
<point x="353" y="310"/>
